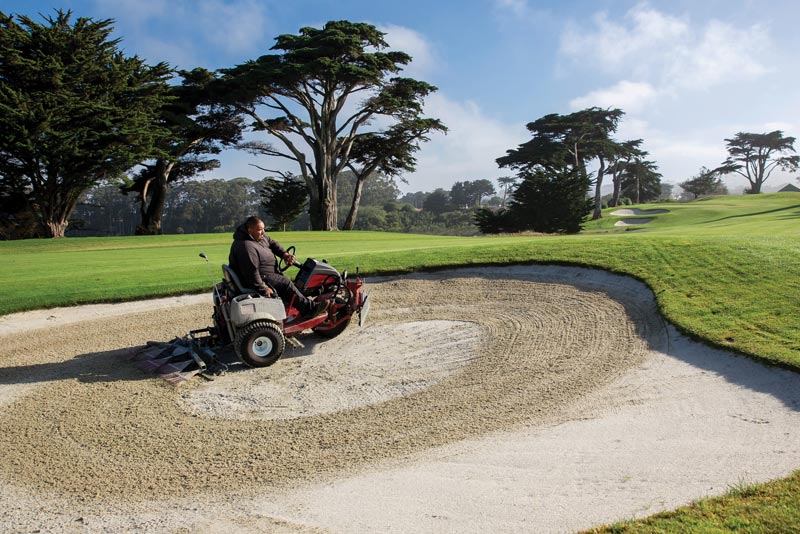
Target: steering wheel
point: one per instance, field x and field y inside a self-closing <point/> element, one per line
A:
<point x="282" y="265"/>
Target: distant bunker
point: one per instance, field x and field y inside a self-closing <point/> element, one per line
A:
<point x="633" y="222"/>
<point x="626" y="212"/>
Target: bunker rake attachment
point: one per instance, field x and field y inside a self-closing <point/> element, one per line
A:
<point x="179" y="360"/>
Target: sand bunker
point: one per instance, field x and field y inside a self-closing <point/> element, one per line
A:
<point x="633" y="222"/>
<point x="636" y="211"/>
<point x="416" y="422"/>
<point x="350" y="372"/>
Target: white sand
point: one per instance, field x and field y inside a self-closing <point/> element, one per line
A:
<point x="694" y="423"/>
<point x="625" y="212"/>
<point x="633" y="222"/>
<point x="524" y="399"/>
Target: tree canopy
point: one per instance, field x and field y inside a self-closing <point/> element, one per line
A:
<point x="284" y="199"/>
<point x="390" y="153"/>
<point x="569" y="142"/>
<point x="754" y="157"/>
<point x="469" y="193"/>
<point x="641" y="181"/>
<point x="317" y="73"/>
<point x="548" y="201"/>
<point x="197" y="125"/>
<point x="564" y="140"/>
<point x="554" y="163"/>
<point x="437" y="202"/>
<point x="74" y="110"/>
<point x="706" y="182"/>
<point x="629" y="152"/>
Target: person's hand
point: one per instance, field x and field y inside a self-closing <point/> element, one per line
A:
<point x="289" y="258"/>
<point x="266" y="292"/>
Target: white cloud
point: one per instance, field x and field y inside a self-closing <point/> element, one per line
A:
<point x="181" y="32"/>
<point x="414" y="44"/>
<point x="679" y="155"/>
<point x="633" y="128"/>
<point x="667" y="51"/>
<point x="707" y="154"/>
<point x="723" y="54"/>
<point x="175" y="52"/>
<point x="613" y="46"/>
<point x="673" y="72"/>
<point x="469" y="149"/>
<point x="629" y="96"/>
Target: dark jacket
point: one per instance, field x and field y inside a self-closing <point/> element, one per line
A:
<point x="253" y="260"/>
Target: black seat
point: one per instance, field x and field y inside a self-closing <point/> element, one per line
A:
<point x="233" y="282"/>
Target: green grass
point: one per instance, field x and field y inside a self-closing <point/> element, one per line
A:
<point x="725" y="270"/>
<point x="47" y="273"/>
<point x="767" y="508"/>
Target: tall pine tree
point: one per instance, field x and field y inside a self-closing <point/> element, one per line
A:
<point x="74" y="110"/>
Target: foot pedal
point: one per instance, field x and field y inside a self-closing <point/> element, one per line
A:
<point x="295" y="343"/>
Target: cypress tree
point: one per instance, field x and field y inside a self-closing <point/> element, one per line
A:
<point x="73" y="111"/>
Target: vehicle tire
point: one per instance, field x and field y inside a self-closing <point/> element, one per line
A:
<point x="335" y="331"/>
<point x="260" y="343"/>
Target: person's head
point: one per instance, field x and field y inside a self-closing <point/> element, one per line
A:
<point x="255" y="227"/>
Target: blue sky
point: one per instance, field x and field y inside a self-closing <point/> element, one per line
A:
<point x="688" y="74"/>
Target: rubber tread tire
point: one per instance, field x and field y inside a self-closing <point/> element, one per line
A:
<point x="248" y="335"/>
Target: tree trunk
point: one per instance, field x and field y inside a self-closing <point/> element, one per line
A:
<point x="314" y="204"/>
<point x="56" y="228"/>
<point x="152" y="215"/>
<point x="152" y="200"/>
<point x="617" y="181"/>
<point x="330" y="216"/>
<point x="315" y="212"/>
<point x="598" y="196"/>
<point x="327" y="220"/>
<point x="638" y="189"/>
<point x="326" y="215"/>
<point x="55" y="209"/>
<point x="350" y="222"/>
<point x="322" y="206"/>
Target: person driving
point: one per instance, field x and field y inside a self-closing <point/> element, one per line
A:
<point x="253" y="258"/>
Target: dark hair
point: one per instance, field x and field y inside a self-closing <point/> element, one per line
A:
<point x="252" y="221"/>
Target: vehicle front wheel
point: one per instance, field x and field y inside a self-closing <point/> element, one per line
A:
<point x="260" y="343"/>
